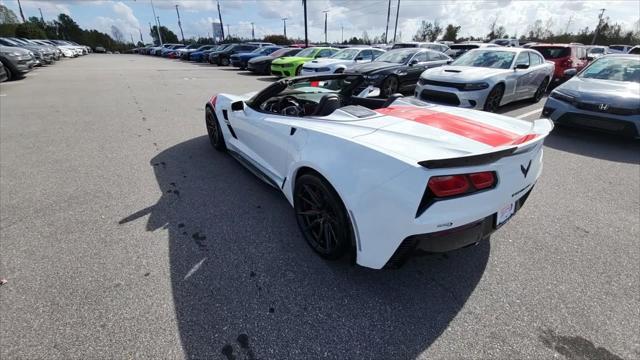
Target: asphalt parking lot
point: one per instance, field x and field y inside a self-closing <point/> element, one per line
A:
<point x="124" y="235"/>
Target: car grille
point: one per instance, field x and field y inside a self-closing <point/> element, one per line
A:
<point x="439" y="97"/>
<point x="608" y="110"/>
<point x="610" y="125"/>
<point x="441" y="83"/>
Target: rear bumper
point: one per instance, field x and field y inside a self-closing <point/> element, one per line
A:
<point x="564" y="113"/>
<point x="450" y="239"/>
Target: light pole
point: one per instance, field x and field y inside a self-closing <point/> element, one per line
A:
<point x="157" y="23"/>
<point x="221" y="26"/>
<point x="396" y="28"/>
<point x="180" y="24"/>
<point x="21" y="13"/>
<point x="41" y="17"/>
<point x="284" y="21"/>
<point x="595" y="33"/>
<point x="325" y="25"/>
<point x="306" y="37"/>
<point x="253" y="33"/>
<point x="386" y="32"/>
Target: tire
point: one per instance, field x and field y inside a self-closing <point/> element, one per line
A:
<point x="492" y="103"/>
<point x="390" y="86"/>
<point x="298" y="70"/>
<point x="322" y="217"/>
<point x="223" y="61"/>
<point x="216" y="138"/>
<point x="540" y="91"/>
<point x="9" y="73"/>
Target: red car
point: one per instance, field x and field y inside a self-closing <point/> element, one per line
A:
<point x="564" y="56"/>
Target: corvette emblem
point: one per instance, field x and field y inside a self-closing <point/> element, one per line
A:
<point x="603" y="107"/>
<point x="525" y="170"/>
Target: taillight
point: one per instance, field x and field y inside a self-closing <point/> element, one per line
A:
<point x="567" y="63"/>
<point x="213" y="101"/>
<point x="482" y="180"/>
<point x="444" y="186"/>
<point x="452" y="185"/>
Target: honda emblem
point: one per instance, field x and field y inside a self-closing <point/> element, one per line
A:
<point x="603" y="107"/>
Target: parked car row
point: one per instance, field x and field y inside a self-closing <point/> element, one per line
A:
<point x="18" y="55"/>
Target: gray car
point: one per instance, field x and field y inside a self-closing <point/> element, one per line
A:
<point x="487" y="79"/>
<point x="16" y="61"/>
<point x="604" y="96"/>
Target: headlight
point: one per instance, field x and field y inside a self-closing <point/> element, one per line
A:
<point x="562" y="96"/>
<point x="374" y="76"/>
<point x="475" y="86"/>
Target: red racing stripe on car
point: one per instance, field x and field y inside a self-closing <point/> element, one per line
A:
<point x="458" y="125"/>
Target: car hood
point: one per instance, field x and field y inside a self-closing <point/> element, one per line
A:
<point x="462" y="73"/>
<point x="618" y="93"/>
<point x="373" y="67"/>
<point x="258" y="59"/>
<point x="290" y="60"/>
<point x="327" y="61"/>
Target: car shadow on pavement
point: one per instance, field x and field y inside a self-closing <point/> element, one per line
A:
<point x="246" y="285"/>
<point x="594" y="144"/>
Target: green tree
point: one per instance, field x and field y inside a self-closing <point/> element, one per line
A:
<point x="30" y="31"/>
<point x="69" y="29"/>
<point x="451" y="33"/>
<point x="7" y="16"/>
<point x="428" y="31"/>
<point x="168" y="36"/>
<point x="276" y="39"/>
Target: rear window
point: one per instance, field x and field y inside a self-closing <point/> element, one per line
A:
<point x="463" y="47"/>
<point x="553" y="52"/>
<point x="402" y="46"/>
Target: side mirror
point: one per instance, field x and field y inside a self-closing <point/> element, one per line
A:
<point x="570" y="72"/>
<point x="237" y="106"/>
<point x="590" y="57"/>
<point x="522" y="66"/>
<point x="359" y="58"/>
<point x="449" y="61"/>
<point x="413" y="62"/>
<point x="369" y="91"/>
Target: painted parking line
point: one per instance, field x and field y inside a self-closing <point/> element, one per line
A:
<point x="522" y="116"/>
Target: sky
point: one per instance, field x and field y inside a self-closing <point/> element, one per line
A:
<point x="346" y="18"/>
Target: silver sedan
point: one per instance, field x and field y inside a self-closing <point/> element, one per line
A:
<point x="487" y="79"/>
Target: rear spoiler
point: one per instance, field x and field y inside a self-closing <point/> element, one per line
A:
<point x="539" y="130"/>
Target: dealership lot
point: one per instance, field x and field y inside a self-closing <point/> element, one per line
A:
<point x="124" y="235"/>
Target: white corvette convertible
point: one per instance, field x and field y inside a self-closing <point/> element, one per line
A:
<point x="380" y="178"/>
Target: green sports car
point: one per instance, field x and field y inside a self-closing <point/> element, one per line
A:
<point x="291" y="65"/>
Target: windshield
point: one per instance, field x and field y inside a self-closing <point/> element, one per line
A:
<point x="617" y="47"/>
<point x="396" y="56"/>
<point x="10" y="42"/>
<point x="308" y="52"/>
<point x="501" y="42"/>
<point x="613" y="68"/>
<point x="553" y="52"/>
<point x="281" y="52"/>
<point x="494" y="59"/>
<point x="402" y="46"/>
<point x="596" y="51"/>
<point x="346" y="54"/>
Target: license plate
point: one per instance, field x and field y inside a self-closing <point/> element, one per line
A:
<point x="505" y="213"/>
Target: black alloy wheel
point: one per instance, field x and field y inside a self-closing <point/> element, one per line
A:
<point x="322" y="217"/>
<point x="224" y="61"/>
<point x="390" y="86"/>
<point x="298" y="70"/>
<point x="540" y="91"/>
<point x="493" y="99"/>
<point x="9" y="73"/>
<point x="216" y="138"/>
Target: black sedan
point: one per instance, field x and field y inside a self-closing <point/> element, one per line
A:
<point x="399" y="70"/>
<point x="223" y="57"/>
<point x="262" y="64"/>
